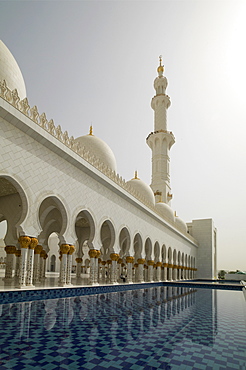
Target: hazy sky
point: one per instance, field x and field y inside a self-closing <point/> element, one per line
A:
<point x="94" y="62"/>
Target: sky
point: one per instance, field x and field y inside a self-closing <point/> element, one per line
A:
<point x="94" y="62"/>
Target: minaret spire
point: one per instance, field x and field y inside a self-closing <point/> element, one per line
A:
<point x="161" y="140"/>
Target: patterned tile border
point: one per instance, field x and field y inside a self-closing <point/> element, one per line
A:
<point x="52" y="293"/>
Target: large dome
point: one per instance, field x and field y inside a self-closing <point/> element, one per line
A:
<point x="99" y="149"/>
<point x="10" y="71"/>
<point x="143" y="189"/>
<point x="181" y="225"/>
<point x="165" y="211"/>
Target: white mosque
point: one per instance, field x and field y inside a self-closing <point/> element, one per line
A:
<point x="67" y="209"/>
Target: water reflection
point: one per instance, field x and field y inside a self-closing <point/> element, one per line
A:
<point x="93" y="327"/>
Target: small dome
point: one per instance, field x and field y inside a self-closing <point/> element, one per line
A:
<point x="144" y="189"/>
<point x="99" y="149"/>
<point x="10" y="71"/>
<point x="181" y="225"/>
<point x="166" y="211"/>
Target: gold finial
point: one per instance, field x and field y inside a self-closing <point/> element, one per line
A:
<point x="160" y="69"/>
<point x="135" y="176"/>
<point x="91" y="129"/>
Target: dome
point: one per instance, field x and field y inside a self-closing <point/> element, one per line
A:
<point x="181" y="225"/>
<point x="99" y="149"/>
<point x="166" y="211"/>
<point x="10" y="71"/>
<point x="142" y="188"/>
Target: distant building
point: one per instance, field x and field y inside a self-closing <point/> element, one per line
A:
<point x="52" y="183"/>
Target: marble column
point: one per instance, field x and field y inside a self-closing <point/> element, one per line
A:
<point x="44" y="266"/>
<point x="96" y="271"/>
<point x="78" y="268"/>
<point x="17" y="264"/>
<point x="158" y="271"/>
<point x="141" y="262"/>
<point x="36" y="267"/>
<point x="41" y="264"/>
<point x="103" y="278"/>
<point x="150" y="270"/>
<point x="30" y="261"/>
<point x="175" y="272"/>
<point x="64" y="249"/>
<point x="69" y="264"/>
<point x="129" y="261"/>
<point x="113" y="278"/>
<point x="92" y="254"/>
<point x="24" y="242"/>
<point x="165" y="271"/>
<point x="109" y="270"/>
<point x="10" y="251"/>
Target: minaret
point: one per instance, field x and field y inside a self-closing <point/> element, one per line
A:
<point x="160" y="141"/>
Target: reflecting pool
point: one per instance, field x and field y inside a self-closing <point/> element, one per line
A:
<point x="155" y="328"/>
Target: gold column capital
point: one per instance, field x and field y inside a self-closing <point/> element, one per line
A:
<point x="92" y="253"/>
<point x="114" y="256"/>
<point x="64" y="248"/>
<point x="151" y="262"/>
<point x="141" y="261"/>
<point x="78" y="260"/>
<point x="10" y="249"/>
<point x="24" y="241"/>
<point x="38" y="249"/>
<point x="34" y="243"/>
<point x="129" y="259"/>
<point x="71" y="249"/>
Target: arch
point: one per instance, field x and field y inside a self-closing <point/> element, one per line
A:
<point x="13" y="205"/>
<point x="148" y="249"/>
<point x="53" y="263"/>
<point x="157" y="252"/>
<point x="52" y="217"/>
<point x="125" y="242"/>
<point x="163" y="253"/>
<point x="137" y="246"/>
<point x="84" y="229"/>
<point x="107" y="235"/>
<point x="169" y="255"/>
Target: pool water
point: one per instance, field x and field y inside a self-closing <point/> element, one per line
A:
<point x="155" y="328"/>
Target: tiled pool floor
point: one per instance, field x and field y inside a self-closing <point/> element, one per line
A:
<point x="155" y="328"/>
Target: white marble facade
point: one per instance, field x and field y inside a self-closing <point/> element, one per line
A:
<point x="113" y="229"/>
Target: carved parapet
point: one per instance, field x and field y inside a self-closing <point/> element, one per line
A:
<point x="141" y="261"/>
<point x="34" y="115"/>
<point x="3" y="88"/>
<point x="64" y="248"/>
<point x="34" y="243"/>
<point x="10" y="249"/>
<point x="114" y="256"/>
<point x="24" y="241"/>
<point x="129" y="259"/>
<point x="150" y="262"/>
<point x="92" y="253"/>
<point x="38" y="249"/>
<point x="24" y="106"/>
<point x="71" y="249"/>
<point x="43" y="121"/>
